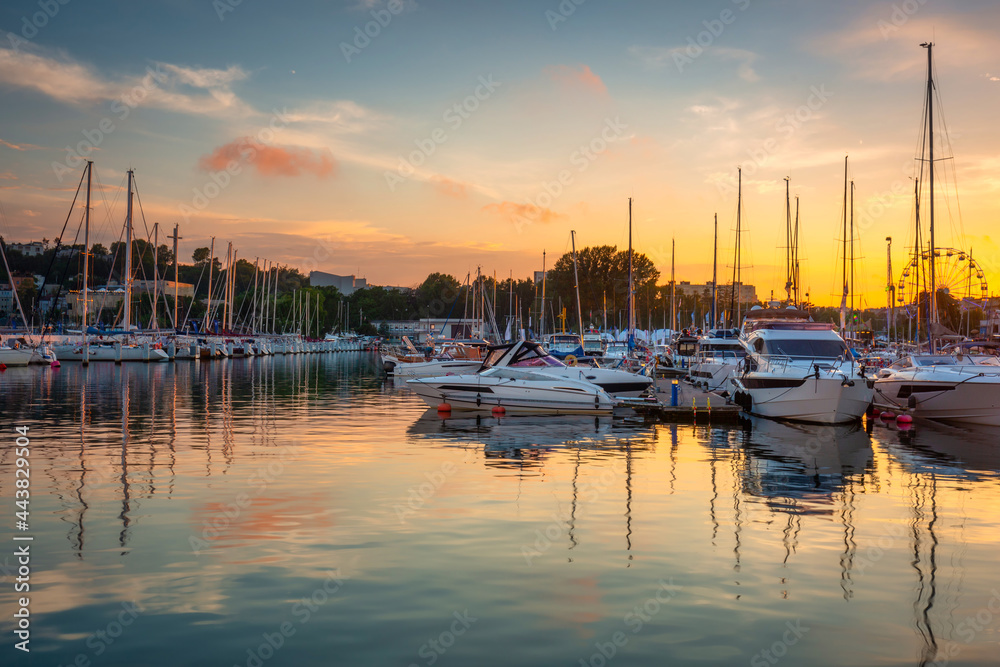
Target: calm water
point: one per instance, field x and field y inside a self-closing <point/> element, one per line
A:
<point x="304" y="511"/>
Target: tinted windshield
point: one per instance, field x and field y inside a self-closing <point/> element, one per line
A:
<point x="812" y="349"/>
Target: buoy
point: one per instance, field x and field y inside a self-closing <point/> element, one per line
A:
<point x="444" y="407"/>
<point x="904" y="419"/>
<point x="3" y="367"/>
<point x="499" y="410"/>
<point x="904" y="426"/>
<point x="55" y="363"/>
<point x="887" y="415"/>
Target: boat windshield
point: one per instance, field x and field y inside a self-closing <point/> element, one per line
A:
<point x="934" y="361"/>
<point x="807" y="348"/>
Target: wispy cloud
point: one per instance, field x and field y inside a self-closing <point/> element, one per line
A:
<point x="192" y="90"/>
<point x="659" y="57"/>
<point x="514" y="211"/>
<point x="20" y="147"/>
<point x="449" y="188"/>
<point x="579" y="77"/>
<point x="271" y="160"/>
<point x="344" y="115"/>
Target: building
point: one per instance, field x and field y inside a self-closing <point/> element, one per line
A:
<point x="746" y="293"/>
<point x="7" y="305"/>
<point x="419" y="330"/>
<point x="32" y="249"/>
<point x="347" y="285"/>
<point x="165" y="287"/>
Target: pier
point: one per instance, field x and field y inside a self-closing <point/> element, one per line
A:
<point x="693" y="405"/>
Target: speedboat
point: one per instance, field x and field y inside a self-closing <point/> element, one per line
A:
<point x="516" y="390"/>
<point x="798" y="370"/>
<point x="939" y="387"/>
<point x="714" y="360"/>
<point x="565" y="345"/>
<point x="531" y="355"/>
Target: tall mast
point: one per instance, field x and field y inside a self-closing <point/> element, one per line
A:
<point x="795" y="255"/>
<point x="789" y="281"/>
<point x="211" y="267"/>
<point x="888" y="288"/>
<point x="576" y="280"/>
<point x="176" y="238"/>
<point x="673" y="299"/>
<point x="733" y="300"/>
<point x="715" y="266"/>
<point x="917" y="249"/>
<point x="128" y="256"/>
<point x="510" y="307"/>
<point x="932" y="278"/>
<point x="232" y="291"/>
<point x="541" y="326"/>
<point x="631" y="291"/>
<point x="852" y="259"/>
<point x="843" y="297"/>
<point x="86" y="262"/>
<point x="156" y="272"/>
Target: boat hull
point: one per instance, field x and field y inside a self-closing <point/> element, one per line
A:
<point x="972" y="400"/>
<point x="515" y="397"/>
<point x="823" y="400"/>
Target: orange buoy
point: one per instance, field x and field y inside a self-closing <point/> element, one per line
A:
<point x="444" y="407"/>
<point x="499" y="410"/>
<point x="904" y="419"/>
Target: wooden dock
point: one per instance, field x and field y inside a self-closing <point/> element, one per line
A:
<point x="693" y="405"/>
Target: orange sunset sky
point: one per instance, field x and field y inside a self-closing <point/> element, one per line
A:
<point x="393" y="139"/>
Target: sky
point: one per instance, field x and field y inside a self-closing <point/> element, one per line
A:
<point x="393" y="139"/>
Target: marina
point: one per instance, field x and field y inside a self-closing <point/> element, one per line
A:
<point x="432" y="334"/>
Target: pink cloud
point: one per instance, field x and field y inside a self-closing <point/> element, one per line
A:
<point x="19" y="147"/>
<point x="449" y="188"/>
<point x="514" y="212"/>
<point x="577" y="77"/>
<point x="271" y="160"/>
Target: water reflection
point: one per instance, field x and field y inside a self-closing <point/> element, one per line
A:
<point x="846" y="528"/>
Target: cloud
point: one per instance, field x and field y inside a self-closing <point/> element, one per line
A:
<point x="658" y="57"/>
<point x="193" y="90"/>
<point x="7" y="176"/>
<point x="515" y="212"/>
<point x="449" y="188"/>
<point x="31" y="214"/>
<point x="345" y="115"/>
<point x="577" y="77"/>
<point x="20" y="147"/>
<point x="271" y="160"/>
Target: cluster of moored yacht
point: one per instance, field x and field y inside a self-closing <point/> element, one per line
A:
<point x="102" y="346"/>
<point x="780" y="364"/>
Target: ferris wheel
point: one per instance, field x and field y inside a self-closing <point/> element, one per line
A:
<point x="956" y="273"/>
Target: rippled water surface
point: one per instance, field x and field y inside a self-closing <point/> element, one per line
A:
<point x="306" y="511"/>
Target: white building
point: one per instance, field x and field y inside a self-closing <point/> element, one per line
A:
<point x="31" y="249"/>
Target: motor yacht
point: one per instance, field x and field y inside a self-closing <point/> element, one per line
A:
<point x="940" y="387"/>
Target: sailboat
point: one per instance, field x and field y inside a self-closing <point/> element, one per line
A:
<point x="937" y="386"/>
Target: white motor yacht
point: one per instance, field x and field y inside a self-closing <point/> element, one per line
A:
<point x="940" y="387"/>
<point x="517" y="390"/>
<point x="798" y="370"/>
<point x="714" y="360"/>
<point x="531" y="355"/>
